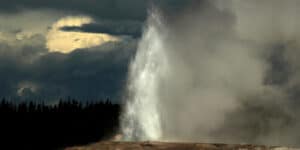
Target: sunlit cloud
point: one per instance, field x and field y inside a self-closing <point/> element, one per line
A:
<point x="65" y="42"/>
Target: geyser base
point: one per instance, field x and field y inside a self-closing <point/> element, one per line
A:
<point x="173" y="146"/>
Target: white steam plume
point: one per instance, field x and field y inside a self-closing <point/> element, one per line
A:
<point x="215" y="72"/>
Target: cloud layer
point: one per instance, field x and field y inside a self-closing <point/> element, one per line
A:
<point x="30" y="71"/>
<point x="39" y="60"/>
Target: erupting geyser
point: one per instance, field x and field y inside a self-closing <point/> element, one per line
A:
<point x="216" y="72"/>
<point x="142" y="116"/>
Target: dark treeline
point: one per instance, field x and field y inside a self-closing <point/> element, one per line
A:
<point x="63" y="105"/>
<point x="69" y="122"/>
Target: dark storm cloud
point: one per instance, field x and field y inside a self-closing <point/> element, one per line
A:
<point x="95" y="73"/>
<point x="122" y="17"/>
<point x="14" y="57"/>
<point x="109" y="9"/>
<point x="131" y="28"/>
<point x="29" y="71"/>
<point x="113" y="9"/>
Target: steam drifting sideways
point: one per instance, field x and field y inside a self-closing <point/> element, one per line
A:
<point x="217" y="71"/>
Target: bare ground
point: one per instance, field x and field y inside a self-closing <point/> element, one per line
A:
<point x="109" y="145"/>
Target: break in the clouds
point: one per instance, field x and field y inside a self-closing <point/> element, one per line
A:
<point x="39" y="61"/>
<point x="65" y="42"/>
<point x="34" y="72"/>
<point x="54" y="48"/>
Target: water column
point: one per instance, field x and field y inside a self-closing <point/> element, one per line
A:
<point x="142" y="120"/>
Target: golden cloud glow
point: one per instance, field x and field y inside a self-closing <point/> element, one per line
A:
<point x="65" y="42"/>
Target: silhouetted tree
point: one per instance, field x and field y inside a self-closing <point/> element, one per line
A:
<point x="37" y="125"/>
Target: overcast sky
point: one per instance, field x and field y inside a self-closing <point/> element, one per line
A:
<point x="78" y="48"/>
